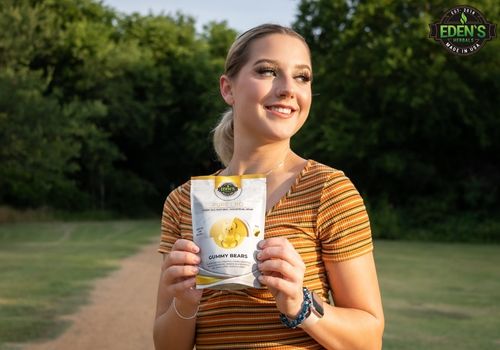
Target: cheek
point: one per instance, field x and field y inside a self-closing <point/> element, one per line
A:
<point x="261" y="90"/>
<point x="252" y="93"/>
<point x="305" y="100"/>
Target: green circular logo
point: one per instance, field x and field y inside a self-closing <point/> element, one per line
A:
<point x="462" y="30"/>
<point x="227" y="189"/>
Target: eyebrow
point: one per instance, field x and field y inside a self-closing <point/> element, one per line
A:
<point x="273" y="62"/>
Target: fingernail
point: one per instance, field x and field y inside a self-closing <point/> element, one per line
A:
<point x="259" y="256"/>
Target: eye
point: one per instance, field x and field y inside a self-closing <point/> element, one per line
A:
<point x="266" y="71"/>
<point x="304" y="77"/>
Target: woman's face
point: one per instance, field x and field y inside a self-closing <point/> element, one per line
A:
<point x="271" y="95"/>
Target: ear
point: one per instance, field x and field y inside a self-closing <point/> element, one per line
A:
<point x="226" y="89"/>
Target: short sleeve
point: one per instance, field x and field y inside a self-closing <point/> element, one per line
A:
<point x="343" y="225"/>
<point x="170" y="228"/>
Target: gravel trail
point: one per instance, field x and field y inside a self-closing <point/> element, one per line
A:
<point x="120" y="312"/>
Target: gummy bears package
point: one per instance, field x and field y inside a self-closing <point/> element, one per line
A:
<point x="228" y="216"/>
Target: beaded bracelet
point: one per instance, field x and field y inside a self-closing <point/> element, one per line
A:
<point x="304" y="311"/>
<point x="184" y="317"/>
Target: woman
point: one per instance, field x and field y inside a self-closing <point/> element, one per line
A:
<point x="317" y="233"/>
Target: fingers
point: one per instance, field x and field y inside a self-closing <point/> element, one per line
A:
<point x="185" y="245"/>
<point x="178" y="273"/>
<point x="280" y="248"/>
<point x="181" y="286"/>
<point x="281" y="265"/>
<point x="185" y="291"/>
<point x="180" y="267"/>
<point x="277" y="268"/>
<point x="283" y="273"/>
<point x="282" y="290"/>
<point x="182" y="271"/>
<point x="183" y="253"/>
<point x="178" y="257"/>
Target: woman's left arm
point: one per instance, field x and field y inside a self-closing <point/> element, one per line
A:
<point x="357" y="319"/>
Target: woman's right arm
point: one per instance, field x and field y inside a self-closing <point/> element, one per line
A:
<point x="177" y="280"/>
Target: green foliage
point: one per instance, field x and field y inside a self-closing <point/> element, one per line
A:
<point x="411" y="123"/>
<point x="36" y="153"/>
<point x="105" y="111"/>
<point x="101" y="110"/>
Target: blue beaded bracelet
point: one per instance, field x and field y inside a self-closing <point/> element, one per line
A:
<point x="304" y="311"/>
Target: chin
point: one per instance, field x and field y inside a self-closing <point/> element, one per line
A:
<point x="280" y="136"/>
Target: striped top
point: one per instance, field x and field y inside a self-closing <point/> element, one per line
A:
<point x="322" y="215"/>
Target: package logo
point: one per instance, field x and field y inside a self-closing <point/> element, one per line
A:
<point x="227" y="189"/>
<point x="462" y="30"/>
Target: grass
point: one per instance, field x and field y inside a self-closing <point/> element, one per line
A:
<point x="47" y="269"/>
<point x="46" y="214"/>
<point x="436" y="295"/>
<point x="440" y="296"/>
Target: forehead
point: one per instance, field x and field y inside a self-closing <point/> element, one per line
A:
<point x="279" y="47"/>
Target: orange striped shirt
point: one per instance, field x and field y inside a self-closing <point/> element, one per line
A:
<point x="322" y="215"/>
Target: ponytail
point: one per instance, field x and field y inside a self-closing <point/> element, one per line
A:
<point x="224" y="137"/>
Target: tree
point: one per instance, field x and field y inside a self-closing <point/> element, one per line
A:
<point x="45" y="130"/>
<point x="35" y="158"/>
<point x="417" y="127"/>
<point x="123" y="103"/>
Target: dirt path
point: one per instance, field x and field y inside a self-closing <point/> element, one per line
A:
<point x="120" y="314"/>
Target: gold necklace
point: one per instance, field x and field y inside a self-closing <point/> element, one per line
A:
<point x="276" y="167"/>
<point x="280" y="164"/>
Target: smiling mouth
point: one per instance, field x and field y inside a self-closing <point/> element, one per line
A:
<point x="281" y="110"/>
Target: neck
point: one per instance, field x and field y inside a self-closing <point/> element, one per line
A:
<point x="262" y="160"/>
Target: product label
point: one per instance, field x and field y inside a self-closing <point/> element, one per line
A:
<point x="228" y="216"/>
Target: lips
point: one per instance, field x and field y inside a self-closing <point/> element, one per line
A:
<point x="281" y="110"/>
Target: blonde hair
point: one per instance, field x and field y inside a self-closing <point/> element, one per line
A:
<point x="237" y="57"/>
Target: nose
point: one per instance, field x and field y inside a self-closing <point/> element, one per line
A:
<point x="285" y="87"/>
